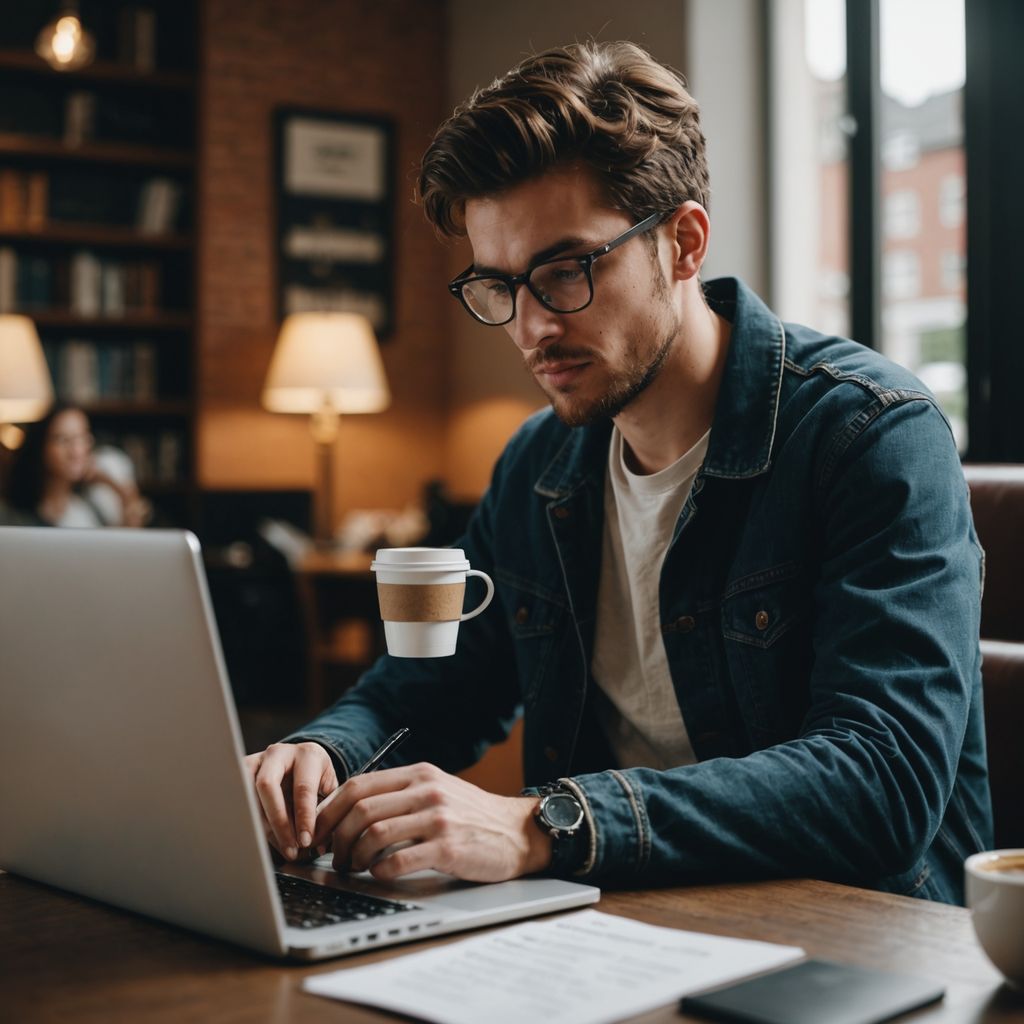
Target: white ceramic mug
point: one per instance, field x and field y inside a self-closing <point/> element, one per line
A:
<point x="420" y="592"/>
<point x="994" y="883"/>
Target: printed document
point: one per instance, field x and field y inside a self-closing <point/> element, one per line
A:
<point x="582" y="968"/>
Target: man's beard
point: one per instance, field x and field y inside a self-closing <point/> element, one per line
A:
<point x="624" y="388"/>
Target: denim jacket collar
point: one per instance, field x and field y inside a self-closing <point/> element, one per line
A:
<point x="743" y="429"/>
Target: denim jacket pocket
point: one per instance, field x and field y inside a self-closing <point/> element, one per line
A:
<point x="765" y="618"/>
<point x="762" y="607"/>
<point x="533" y="613"/>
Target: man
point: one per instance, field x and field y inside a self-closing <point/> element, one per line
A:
<point x="737" y="580"/>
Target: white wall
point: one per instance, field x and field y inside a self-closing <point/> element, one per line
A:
<point x="725" y="71"/>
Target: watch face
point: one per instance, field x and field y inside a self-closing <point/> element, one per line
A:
<point x="562" y="811"/>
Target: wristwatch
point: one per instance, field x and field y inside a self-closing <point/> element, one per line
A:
<point x="560" y="815"/>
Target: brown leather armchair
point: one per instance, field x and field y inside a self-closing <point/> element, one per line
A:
<point x="997" y="501"/>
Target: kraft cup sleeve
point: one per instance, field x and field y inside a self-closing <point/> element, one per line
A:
<point x="487" y="599"/>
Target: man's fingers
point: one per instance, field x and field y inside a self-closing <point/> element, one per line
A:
<point x="308" y="776"/>
<point x="277" y="761"/>
<point x="386" y="831"/>
<point x="407" y="858"/>
<point x="360" y="787"/>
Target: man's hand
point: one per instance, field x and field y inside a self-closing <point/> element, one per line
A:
<point x="290" y="779"/>
<point x="400" y="820"/>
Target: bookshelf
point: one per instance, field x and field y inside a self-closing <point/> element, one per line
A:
<point x="97" y="231"/>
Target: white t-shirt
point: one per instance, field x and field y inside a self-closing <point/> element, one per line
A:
<point x="638" y="708"/>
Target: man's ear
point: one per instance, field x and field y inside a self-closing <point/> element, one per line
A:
<point x="689" y="231"/>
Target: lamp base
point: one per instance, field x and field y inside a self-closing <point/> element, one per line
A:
<point x="323" y="531"/>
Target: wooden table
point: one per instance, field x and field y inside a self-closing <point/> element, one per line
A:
<point x="65" y="959"/>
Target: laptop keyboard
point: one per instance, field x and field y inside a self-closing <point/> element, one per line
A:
<point x="308" y="905"/>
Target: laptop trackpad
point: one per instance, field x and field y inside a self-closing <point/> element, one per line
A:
<point x="518" y="892"/>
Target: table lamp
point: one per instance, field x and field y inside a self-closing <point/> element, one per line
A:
<point x="325" y="364"/>
<point x="25" y="388"/>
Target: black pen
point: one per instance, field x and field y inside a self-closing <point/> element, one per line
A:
<point x="389" y="744"/>
<point x="378" y="755"/>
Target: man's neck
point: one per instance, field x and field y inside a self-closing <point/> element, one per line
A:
<point x="675" y="411"/>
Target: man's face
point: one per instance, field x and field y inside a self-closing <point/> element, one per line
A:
<point x="593" y="363"/>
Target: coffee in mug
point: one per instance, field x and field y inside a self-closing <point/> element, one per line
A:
<point x="421" y="592"/>
<point x="1003" y="864"/>
<point x="994" y="883"/>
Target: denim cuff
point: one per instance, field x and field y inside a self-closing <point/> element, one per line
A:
<point x="620" y="832"/>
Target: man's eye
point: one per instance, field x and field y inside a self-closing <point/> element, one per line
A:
<point x="567" y="274"/>
<point x="496" y="287"/>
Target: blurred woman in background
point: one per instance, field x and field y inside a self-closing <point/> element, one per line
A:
<point x="59" y="478"/>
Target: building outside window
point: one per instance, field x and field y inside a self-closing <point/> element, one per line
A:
<point x="901" y="276"/>
<point x="952" y="196"/>
<point x="922" y="55"/>
<point x="902" y="214"/>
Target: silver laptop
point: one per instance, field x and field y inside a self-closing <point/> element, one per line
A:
<point x="121" y="774"/>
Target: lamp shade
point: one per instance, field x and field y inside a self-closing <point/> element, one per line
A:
<point x="326" y="360"/>
<point x="25" y="388"/>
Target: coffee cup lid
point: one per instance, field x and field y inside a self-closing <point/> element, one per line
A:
<point x="421" y="559"/>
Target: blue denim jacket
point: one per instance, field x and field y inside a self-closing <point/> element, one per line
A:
<point x="820" y="607"/>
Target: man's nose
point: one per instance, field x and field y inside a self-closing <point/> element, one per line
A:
<point x="534" y="324"/>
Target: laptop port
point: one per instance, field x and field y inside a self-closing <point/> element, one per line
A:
<point x="372" y="937"/>
<point x="394" y="931"/>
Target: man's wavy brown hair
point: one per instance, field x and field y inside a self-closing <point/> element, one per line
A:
<point x="609" y="106"/>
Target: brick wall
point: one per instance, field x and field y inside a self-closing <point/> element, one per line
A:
<point x="384" y="57"/>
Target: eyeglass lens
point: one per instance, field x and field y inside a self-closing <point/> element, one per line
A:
<point x="563" y="286"/>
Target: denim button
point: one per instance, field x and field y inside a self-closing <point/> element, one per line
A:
<point x="522" y="615"/>
<point x="562" y="512"/>
<point x="761" y="619"/>
<point x="685" y="623"/>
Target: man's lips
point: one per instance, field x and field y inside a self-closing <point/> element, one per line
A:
<point x="561" y="372"/>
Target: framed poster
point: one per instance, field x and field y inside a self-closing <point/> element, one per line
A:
<point x="334" y="214"/>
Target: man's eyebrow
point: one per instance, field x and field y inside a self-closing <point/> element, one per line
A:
<point x="569" y="242"/>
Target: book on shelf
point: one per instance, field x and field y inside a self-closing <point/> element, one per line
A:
<point x="78" y="371"/>
<point x="37" y="199"/>
<point x="83" y="284"/>
<point x="137" y="38"/>
<point x="159" y="203"/>
<point x="86" y="282"/>
<point x="144" y="371"/>
<point x="79" y="117"/>
<point x="113" y="287"/>
<point x="169" y="450"/>
<point x="8" y="279"/>
<point x="84" y="371"/>
<point x="158" y="458"/>
<point x="24" y="198"/>
<point x="34" y="283"/>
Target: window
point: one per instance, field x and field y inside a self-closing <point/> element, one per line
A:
<point x="901" y="274"/>
<point x="922" y="72"/>
<point x="952" y="265"/>
<point x="880" y="88"/>
<point x="899" y="151"/>
<point x="902" y="214"/>
<point x="951" y="201"/>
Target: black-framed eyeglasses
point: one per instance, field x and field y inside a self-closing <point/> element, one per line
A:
<point x="564" y="284"/>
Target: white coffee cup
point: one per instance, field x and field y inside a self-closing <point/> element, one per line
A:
<point x="994" y="883"/>
<point x="420" y="592"/>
